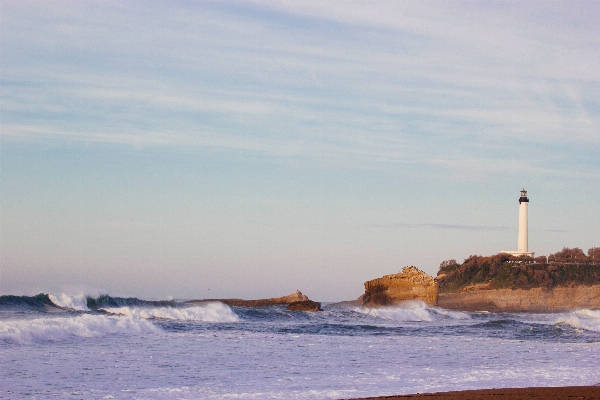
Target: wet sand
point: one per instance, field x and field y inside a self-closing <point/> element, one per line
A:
<point x="542" y="393"/>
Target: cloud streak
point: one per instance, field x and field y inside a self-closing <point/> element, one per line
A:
<point x="445" y="226"/>
<point x="373" y="82"/>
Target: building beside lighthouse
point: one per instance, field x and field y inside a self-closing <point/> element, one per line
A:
<point x="522" y="242"/>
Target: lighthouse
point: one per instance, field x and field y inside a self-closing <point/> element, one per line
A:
<point x="523" y="204"/>
<point x="522" y="242"/>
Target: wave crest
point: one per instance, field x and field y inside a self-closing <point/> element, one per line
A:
<point x="78" y="302"/>
<point x="38" y="301"/>
<point x="582" y="319"/>
<point x="105" y="301"/>
<point x="210" y="312"/>
<point x="412" y="311"/>
<point x="55" y="329"/>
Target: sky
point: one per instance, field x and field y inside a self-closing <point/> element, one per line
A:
<point x="250" y="149"/>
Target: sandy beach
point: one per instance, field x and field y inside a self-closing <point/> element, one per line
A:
<point x="537" y="393"/>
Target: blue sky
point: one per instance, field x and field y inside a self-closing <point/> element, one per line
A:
<point x="229" y="149"/>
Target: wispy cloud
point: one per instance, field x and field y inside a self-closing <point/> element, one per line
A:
<point x="441" y="84"/>
<point x="445" y="226"/>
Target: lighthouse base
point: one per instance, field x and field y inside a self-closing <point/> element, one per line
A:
<point x="519" y="253"/>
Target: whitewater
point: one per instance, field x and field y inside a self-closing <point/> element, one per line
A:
<point x="69" y="346"/>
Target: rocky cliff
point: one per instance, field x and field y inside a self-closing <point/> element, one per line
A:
<point x="522" y="300"/>
<point x="519" y="284"/>
<point x="275" y="301"/>
<point x="476" y="288"/>
<point x="410" y="284"/>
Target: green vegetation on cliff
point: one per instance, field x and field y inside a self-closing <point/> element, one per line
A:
<point x="566" y="268"/>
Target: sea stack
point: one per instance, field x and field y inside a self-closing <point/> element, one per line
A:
<point x="410" y="284"/>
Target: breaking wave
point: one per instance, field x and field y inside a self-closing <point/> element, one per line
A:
<point x="210" y="312"/>
<point x="412" y="311"/>
<point x="78" y="302"/>
<point x="39" y="301"/>
<point x="56" y="329"/>
<point x="128" y="309"/>
<point x="105" y="301"/>
<point x="582" y="319"/>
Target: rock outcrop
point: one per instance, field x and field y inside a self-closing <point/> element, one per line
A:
<point x="523" y="300"/>
<point x="275" y="301"/>
<point x="410" y="284"/>
<point x="305" y="305"/>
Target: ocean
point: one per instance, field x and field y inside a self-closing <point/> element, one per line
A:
<point x="54" y="346"/>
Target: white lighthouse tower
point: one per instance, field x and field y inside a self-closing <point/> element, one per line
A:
<point x="523" y="204"/>
<point x="522" y="245"/>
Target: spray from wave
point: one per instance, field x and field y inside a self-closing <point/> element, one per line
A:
<point x="582" y="319"/>
<point x="210" y="312"/>
<point x="77" y="302"/>
<point x="412" y="311"/>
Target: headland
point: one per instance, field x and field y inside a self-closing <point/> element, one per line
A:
<point x="505" y="283"/>
<point x="563" y="281"/>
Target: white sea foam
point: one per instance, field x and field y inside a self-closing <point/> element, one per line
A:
<point x="582" y="319"/>
<point x="77" y="302"/>
<point x="283" y="356"/>
<point x="450" y="314"/>
<point x="412" y="311"/>
<point x="53" y="329"/>
<point x="196" y="392"/>
<point x="210" y="312"/>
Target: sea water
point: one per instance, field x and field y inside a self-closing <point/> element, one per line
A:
<point x="55" y="347"/>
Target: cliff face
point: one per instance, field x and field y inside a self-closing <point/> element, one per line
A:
<point x="523" y="300"/>
<point x="410" y="284"/>
<point x="414" y="284"/>
<point x="518" y="284"/>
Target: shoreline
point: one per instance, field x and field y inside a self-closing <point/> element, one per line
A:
<point x="532" y="393"/>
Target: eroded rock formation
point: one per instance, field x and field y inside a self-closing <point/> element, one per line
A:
<point x="410" y="284"/>
<point x="275" y="301"/>
<point x="305" y="305"/>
